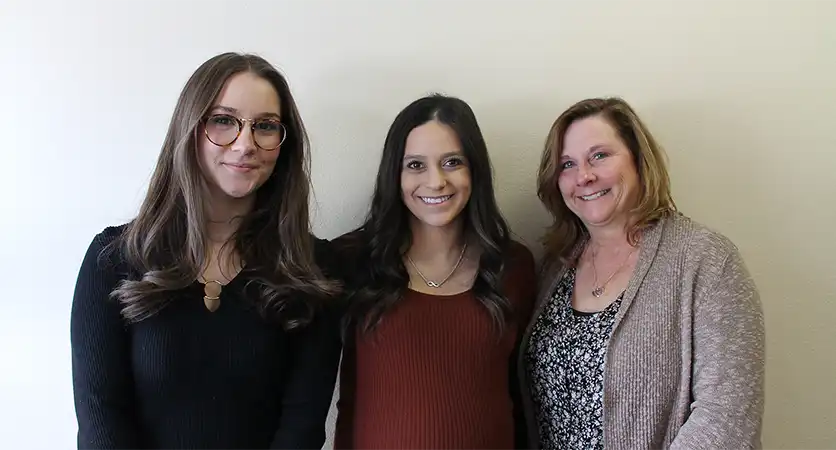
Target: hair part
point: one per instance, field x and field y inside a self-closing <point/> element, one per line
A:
<point x="381" y="278"/>
<point x="655" y="200"/>
<point x="167" y="241"/>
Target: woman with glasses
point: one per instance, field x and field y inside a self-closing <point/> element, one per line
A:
<point x="205" y="321"/>
<point x="438" y="295"/>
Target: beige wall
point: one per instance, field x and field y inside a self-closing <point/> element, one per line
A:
<point x="741" y="92"/>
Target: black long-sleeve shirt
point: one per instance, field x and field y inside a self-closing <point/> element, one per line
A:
<point x="191" y="378"/>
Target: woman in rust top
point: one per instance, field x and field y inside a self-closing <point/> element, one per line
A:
<point x="437" y="294"/>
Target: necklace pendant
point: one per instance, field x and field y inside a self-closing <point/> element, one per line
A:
<point x="433" y="284"/>
<point x="211" y="295"/>
<point x="212" y="304"/>
<point x="598" y="292"/>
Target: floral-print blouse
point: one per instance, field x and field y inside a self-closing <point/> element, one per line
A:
<point x="565" y="363"/>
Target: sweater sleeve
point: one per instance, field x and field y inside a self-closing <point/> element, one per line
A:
<point x="312" y="375"/>
<point x="524" y="286"/>
<point x="344" y="430"/>
<point x="345" y="263"/>
<point x="728" y="364"/>
<point x="310" y="384"/>
<point x="101" y="364"/>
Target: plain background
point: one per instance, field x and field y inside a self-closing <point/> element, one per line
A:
<point x="742" y="94"/>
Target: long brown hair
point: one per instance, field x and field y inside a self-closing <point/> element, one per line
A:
<point x="166" y="242"/>
<point x="655" y="200"/>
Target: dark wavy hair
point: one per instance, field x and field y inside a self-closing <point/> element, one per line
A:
<point x="166" y="242"/>
<point x="374" y="251"/>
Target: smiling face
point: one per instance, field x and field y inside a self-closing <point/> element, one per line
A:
<point x="237" y="170"/>
<point x="598" y="178"/>
<point x="435" y="177"/>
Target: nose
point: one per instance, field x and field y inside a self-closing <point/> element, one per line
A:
<point x="246" y="140"/>
<point x="585" y="175"/>
<point x="437" y="179"/>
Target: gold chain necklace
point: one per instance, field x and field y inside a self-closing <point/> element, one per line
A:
<point x="597" y="290"/>
<point x="434" y="284"/>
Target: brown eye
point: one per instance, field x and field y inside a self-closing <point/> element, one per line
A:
<point x="414" y="165"/>
<point x="454" y="162"/>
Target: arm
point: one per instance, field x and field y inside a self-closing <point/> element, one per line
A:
<point x="520" y="435"/>
<point x="101" y="364"/>
<point x="344" y="433"/>
<point x="343" y="264"/>
<point x="728" y="364"/>
<point x="313" y="361"/>
<point x="525" y="289"/>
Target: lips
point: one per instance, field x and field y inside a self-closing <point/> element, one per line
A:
<point x="594" y="195"/>
<point x="436" y="200"/>
<point x="240" y="167"/>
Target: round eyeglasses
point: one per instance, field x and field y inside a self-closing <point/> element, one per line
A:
<point x="224" y="129"/>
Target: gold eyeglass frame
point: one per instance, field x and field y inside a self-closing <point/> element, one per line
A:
<point x="241" y="122"/>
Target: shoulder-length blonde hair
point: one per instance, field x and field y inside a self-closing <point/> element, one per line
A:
<point x="655" y="200"/>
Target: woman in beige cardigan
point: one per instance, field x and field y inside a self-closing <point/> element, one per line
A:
<point x="648" y="332"/>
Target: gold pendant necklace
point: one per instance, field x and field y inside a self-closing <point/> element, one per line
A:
<point x="212" y="294"/>
<point x="598" y="291"/>
<point x="212" y="290"/>
<point x="434" y="284"/>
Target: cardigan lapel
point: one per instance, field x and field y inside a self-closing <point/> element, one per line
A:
<point x="648" y="248"/>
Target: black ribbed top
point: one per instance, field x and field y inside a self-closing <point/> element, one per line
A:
<point x="190" y="378"/>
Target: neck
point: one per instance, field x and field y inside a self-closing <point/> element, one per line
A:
<point x="436" y="243"/>
<point x="613" y="236"/>
<point x="224" y="216"/>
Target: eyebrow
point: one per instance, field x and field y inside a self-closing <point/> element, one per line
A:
<point x="446" y="155"/>
<point x="231" y="110"/>
<point x="594" y="148"/>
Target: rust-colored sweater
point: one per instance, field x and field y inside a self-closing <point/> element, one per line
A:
<point x="434" y="374"/>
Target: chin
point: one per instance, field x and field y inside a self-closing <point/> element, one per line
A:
<point x="598" y="218"/>
<point x="589" y="212"/>
<point x="238" y="192"/>
<point x="437" y="220"/>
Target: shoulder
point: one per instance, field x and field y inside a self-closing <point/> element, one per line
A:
<point x="110" y="234"/>
<point x="324" y="255"/>
<point x="103" y="247"/>
<point x="339" y="255"/>
<point x="351" y="242"/>
<point x="698" y="241"/>
<point x="519" y="266"/>
<point x="351" y="246"/>
<point x="520" y="277"/>
<point x="101" y="268"/>
<point x="707" y="256"/>
<point x="519" y="255"/>
<point x="322" y="248"/>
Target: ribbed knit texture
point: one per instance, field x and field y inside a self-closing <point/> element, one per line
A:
<point x="434" y="374"/>
<point x="190" y="378"/>
<point x="685" y="363"/>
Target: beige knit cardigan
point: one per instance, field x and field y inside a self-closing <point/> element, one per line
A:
<point x="684" y="366"/>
